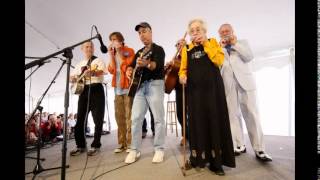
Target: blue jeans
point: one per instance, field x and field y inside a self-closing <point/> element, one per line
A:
<point x="150" y="94"/>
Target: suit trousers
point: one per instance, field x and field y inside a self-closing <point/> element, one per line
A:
<point x="96" y="105"/>
<point x="122" y="105"/>
<point x="242" y="104"/>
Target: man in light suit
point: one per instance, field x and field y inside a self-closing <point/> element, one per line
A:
<point x="240" y="91"/>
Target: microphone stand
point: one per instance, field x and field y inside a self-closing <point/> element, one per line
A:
<point x="109" y="125"/>
<point x="31" y="73"/>
<point x="67" y="52"/>
<point x="30" y="57"/>
<point x="41" y="60"/>
<point x="40" y="64"/>
<point x="38" y="168"/>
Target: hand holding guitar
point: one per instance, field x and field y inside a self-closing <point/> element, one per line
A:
<point x="129" y="72"/>
<point x="168" y="65"/>
<point x="138" y="70"/>
<point x="181" y="43"/>
<point x="183" y="80"/>
<point x="142" y="62"/>
<point x="78" y="81"/>
<point x="73" y="79"/>
<point x="91" y="71"/>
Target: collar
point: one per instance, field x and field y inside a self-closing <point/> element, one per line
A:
<point x="228" y="46"/>
<point x="191" y="45"/>
<point x="124" y="47"/>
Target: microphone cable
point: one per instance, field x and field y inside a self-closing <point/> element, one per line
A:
<point x="30" y="89"/>
<point x="31" y="73"/>
<point x="119" y="167"/>
<point x="87" y="112"/>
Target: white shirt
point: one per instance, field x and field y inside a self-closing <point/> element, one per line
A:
<point x="98" y="63"/>
<point x="72" y="122"/>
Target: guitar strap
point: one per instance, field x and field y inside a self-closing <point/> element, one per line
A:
<point x="88" y="64"/>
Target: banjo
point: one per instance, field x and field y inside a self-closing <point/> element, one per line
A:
<point x="78" y="86"/>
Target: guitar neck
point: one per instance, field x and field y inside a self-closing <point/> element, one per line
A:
<point x="84" y="73"/>
<point x="136" y="68"/>
<point x="179" y="50"/>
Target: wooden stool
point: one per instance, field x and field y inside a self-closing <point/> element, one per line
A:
<point x="171" y="117"/>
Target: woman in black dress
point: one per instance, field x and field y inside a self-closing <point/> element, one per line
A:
<point x="209" y="128"/>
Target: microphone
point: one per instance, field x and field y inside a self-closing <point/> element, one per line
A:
<point x="227" y="38"/>
<point x="114" y="50"/>
<point x="103" y="48"/>
<point x="36" y="62"/>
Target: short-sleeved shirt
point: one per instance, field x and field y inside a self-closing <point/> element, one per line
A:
<point x="157" y="56"/>
<point x="96" y="63"/>
<point x="118" y="90"/>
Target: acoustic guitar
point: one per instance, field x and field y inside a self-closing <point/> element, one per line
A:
<point x="78" y="86"/>
<point x="171" y="75"/>
<point x="171" y="71"/>
<point x="137" y="73"/>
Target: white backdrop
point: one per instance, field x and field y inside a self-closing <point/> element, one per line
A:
<point x="267" y="24"/>
<point x="53" y="25"/>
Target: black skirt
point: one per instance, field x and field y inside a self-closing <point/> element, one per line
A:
<point x="209" y="127"/>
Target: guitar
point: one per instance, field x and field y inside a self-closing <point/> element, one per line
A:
<point x="171" y="75"/>
<point x="171" y="71"/>
<point x="137" y="73"/>
<point x="78" y="86"/>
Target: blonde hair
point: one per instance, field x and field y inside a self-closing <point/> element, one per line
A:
<point x="200" y="21"/>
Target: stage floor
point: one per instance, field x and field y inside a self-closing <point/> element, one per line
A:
<point x="108" y="165"/>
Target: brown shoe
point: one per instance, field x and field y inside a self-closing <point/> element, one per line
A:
<point x="77" y="151"/>
<point x="144" y="134"/>
<point x="181" y="142"/>
<point x="93" y="151"/>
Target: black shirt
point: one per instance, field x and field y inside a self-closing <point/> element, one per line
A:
<point x="156" y="56"/>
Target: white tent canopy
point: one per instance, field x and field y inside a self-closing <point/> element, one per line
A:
<point x="268" y="26"/>
<point x="50" y="26"/>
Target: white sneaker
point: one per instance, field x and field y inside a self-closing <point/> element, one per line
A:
<point x="128" y="150"/>
<point x="60" y="137"/>
<point x="119" y="150"/>
<point x="132" y="157"/>
<point x="158" y="156"/>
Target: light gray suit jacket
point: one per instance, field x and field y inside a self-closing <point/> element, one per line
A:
<point x="239" y="64"/>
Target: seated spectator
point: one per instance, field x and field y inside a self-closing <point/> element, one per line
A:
<point x="26" y="118"/>
<point x="57" y="129"/>
<point x="46" y="128"/>
<point x="31" y="131"/>
<point x="52" y="129"/>
<point x="71" y="124"/>
<point x="44" y="116"/>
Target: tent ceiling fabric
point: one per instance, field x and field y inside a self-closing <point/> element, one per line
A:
<point x="268" y="25"/>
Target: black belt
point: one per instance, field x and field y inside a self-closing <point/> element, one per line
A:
<point x="93" y="84"/>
